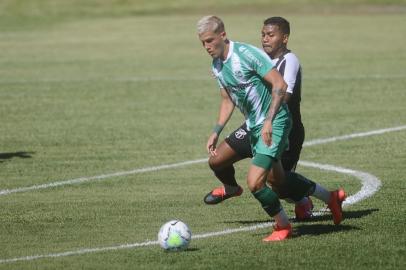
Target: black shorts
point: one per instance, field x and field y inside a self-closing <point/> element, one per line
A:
<point x="239" y="141"/>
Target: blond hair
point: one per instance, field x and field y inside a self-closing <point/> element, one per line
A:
<point x="210" y="24"/>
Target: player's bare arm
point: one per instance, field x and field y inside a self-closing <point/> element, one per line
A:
<point x="286" y="98"/>
<point x="278" y="92"/>
<point x="225" y="112"/>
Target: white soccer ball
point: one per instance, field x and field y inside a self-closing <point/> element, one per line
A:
<point x="174" y="236"/>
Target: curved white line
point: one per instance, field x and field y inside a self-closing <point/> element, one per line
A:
<point x="370" y="185"/>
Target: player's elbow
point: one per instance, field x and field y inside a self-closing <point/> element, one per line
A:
<point x="284" y="87"/>
<point x="281" y="85"/>
<point x="280" y="89"/>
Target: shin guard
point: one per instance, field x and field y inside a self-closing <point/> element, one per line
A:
<point x="269" y="200"/>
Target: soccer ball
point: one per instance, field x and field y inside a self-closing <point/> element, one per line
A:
<point x="174" y="236"/>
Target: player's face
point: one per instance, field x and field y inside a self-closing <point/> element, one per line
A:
<point x="273" y="40"/>
<point x="214" y="43"/>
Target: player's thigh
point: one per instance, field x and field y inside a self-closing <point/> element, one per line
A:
<point x="239" y="140"/>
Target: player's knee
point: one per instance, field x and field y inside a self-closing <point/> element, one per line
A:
<point x="254" y="184"/>
<point x="215" y="163"/>
<point x="271" y="180"/>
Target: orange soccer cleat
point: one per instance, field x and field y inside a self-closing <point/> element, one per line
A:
<point x="336" y="200"/>
<point x="279" y="234"/>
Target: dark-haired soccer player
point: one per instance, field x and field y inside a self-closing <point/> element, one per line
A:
<point x="275" y="35"/>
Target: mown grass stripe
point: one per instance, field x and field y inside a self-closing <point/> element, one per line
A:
<point x="180" y="164"/>
<point x="370" y="185"/>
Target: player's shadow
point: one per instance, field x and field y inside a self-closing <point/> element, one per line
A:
<point x="324" y="217"/>
<point x="20" y="154"/>
<point x="318" y="229"/>
<point x="347" y="215"/>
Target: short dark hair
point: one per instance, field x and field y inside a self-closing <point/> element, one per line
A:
<point x="282" y="23"/>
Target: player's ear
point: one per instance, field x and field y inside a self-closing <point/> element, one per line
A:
<point x="223" y="35"/>
<point x="285" y="38"/>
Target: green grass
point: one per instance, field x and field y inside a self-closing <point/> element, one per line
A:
<point x="87" y="95"/>
<point x="143" y="7"/>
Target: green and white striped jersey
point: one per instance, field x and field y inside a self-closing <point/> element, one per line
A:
<point x="241" y="75"/>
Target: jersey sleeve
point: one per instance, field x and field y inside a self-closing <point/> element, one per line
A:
<point x="292" y="67"/>
<point x="257" y="60"/>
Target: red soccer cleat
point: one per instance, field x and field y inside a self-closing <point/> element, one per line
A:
<point x="218" y="195"/>
<point x="279" y="234"/>
<point x="336" y="200"/>
<point x="304" y="211"/>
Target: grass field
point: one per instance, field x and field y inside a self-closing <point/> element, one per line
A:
<point x="85" y="95"/>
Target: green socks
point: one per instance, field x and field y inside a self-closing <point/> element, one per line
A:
<point x="298" y="186"/>
<point x="269" y="200"/>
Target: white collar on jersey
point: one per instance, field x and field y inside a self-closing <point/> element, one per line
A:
<point x="230" y="50"/>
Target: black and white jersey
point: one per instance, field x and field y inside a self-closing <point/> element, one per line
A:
<point x="288" y="65"/>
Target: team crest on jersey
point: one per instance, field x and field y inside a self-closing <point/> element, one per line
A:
<point x="240" y="134"/>
<point x="242" y="49"/>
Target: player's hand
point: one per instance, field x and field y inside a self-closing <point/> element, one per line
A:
<point x="211" y="144"/>
<point x="266" y="132"/>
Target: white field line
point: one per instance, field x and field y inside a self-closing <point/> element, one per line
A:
<point x="180" y="164"/>
<point x="100" y="177"/>
<point x="370" y="185"/>
<point x="352" y="136"/>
